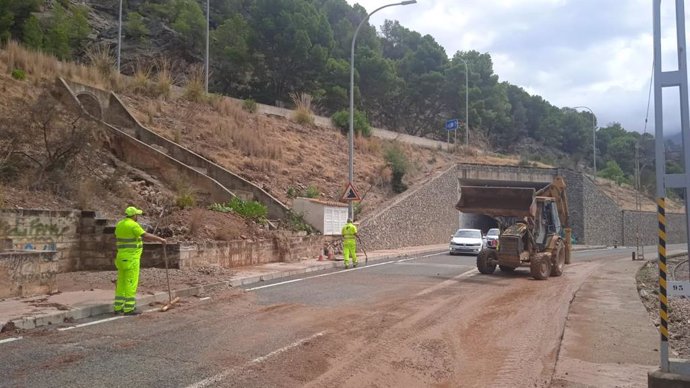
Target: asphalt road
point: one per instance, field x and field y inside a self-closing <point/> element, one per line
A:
<point x="401" y="322"/>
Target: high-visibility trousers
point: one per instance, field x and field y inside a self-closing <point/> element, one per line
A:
<point x="127" y="283"/>
<point x="349" y="249"/>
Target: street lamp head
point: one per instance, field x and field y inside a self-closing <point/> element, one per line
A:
<point x="409" y="2"/>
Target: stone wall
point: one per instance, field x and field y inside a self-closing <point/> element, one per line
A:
<point x="79" y="241"/>
<point x="43" y="230"/>
<point x="574" y="192"/>
<point x="422" y="216"/>
<point x="229" y="254"/>
<point x="602" y="218"/>
<point x="28" y="273"/>
<point x="649" y="228"/>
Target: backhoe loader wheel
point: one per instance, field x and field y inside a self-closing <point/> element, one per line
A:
<point x="558" y="260"/>
<point x="505" y="268"/>
<point x="486" y="261"/>
<point x="540" y="267"/>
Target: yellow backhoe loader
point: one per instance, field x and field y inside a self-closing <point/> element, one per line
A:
<point x="534" y="227"/>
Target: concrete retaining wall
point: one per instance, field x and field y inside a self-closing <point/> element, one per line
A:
<point x="28" y="273"/>
<point x="242" y="253"/>
<point x="423" y="216"/>
<point x="78" y="241"/>
<point x="648" y="228"/>
<point x="602" y="218"/>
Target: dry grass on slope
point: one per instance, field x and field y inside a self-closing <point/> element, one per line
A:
<point x="625" y="196"/>
<point x="277" y="154"/>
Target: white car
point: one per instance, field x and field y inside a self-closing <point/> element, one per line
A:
<point x="492" y="238"/>
<point x="467" y="241"/>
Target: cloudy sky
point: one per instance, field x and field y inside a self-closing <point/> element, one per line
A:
<point x="596" y="53"/>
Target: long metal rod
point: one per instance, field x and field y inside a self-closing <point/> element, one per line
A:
<point x="119" y="37"/>
<point x="684" y="104"/>
<point x="208" y="29"/>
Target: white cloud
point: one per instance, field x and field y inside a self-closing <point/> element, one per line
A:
<point x="571" y="52"/>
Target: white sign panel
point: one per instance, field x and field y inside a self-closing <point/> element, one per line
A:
<point x="678" y="288"/>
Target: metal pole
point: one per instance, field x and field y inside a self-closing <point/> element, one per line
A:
<point x="119" y="37"/>
<point x="660" y="175"/>
<point x="208" y="29"/>
<point x="351" y="132"/>
<point x="467" y="104"/>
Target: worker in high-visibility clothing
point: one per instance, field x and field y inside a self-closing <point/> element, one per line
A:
<point x="349" y="233"/>
<point x="129" y="236"/>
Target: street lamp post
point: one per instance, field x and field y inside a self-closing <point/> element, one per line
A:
<point x="467" y="106"/>
<point x="351" y="146"/>
<point x="594" y="138"/>
<point x="119" y="37"/>
<point x="208" y="29"/>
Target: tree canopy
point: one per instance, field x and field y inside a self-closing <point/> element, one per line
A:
<point x="266" y="50"/>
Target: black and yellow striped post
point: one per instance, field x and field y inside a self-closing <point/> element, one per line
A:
<point x="663" y="297"/>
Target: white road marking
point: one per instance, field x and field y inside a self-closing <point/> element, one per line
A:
<point x="276" y="284"/>
<point x="319" y="276"/>
<point x="437" y="265"/>
<point x="220" y="376"/>
<point x="448" y="282"/>
<point x="6" y="340"/>
<point x="90" y="323"/>
<point x="343" y="271"/>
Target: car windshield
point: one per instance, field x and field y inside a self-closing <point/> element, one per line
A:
<point x="492" y="232"/>
<point x="468" y="234"/>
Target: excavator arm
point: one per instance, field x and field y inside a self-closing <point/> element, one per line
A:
<point x="556" y="190"/>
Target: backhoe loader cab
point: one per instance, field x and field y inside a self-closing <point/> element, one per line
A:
<point x="534" y="230"/>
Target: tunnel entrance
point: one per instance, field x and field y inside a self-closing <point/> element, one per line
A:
<point x="476" y="221"/>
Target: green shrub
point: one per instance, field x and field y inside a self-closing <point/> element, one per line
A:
<point x="249" y="105"/>
<point x="312" y="192"/>
<point x="19" y="74"/>
<point x="248" y="209"/>
<point x="396" y="159"/>
<point x="341" y="120"/>
<point x="186" y="200"/>
<point x="292" y="192"/>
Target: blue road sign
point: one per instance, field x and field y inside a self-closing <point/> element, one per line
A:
<point x="452" y="125"/>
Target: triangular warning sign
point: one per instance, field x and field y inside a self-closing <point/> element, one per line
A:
<point x="350" y="194"/>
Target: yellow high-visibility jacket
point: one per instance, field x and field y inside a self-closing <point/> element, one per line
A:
<point x="128" y="239"/>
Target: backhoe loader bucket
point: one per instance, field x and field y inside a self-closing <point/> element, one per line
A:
<point x="497" y="201"/>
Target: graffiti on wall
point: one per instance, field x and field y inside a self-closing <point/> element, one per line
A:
<point x="33" y="228"/>
<point x="33" y="234"/>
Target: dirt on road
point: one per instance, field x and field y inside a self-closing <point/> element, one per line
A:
<point x="472" y="331"/>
